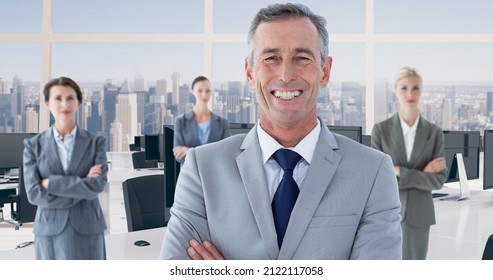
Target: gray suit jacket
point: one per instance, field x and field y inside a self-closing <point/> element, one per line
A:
<point x="415" y="186"/>
<point x="185" y="130"/>
<point x="348" y="207"/>
<point x="70" y="197"/>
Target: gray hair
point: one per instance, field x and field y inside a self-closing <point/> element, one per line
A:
<point x="290" y="11"/>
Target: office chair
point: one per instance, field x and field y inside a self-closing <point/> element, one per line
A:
<point x="139" y="161"/>
<point x="21" y="210"/>
<point x="144" y="202"/>
<point x="488" y="249"/>
<point x="132" y="147"/>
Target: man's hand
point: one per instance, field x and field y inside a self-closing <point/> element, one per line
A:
<point x="204" y="251"/>
<point x="96" y="170"/>
<point x="435" y="165"/>
<point x="180" y="152"/>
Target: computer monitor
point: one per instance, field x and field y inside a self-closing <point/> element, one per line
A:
<point x="152" y="146"/>
<point x="366" y="140"/>
<point x="11" y="150"/>
<point x="171" y="169"/>
<point x="468" y="144"/>
<point x="352" y="132"/>
<point x="488" y="160"/>
<point x="240" y="128"/>
<point x="139" y="141"/>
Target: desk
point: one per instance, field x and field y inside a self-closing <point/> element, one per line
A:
<point x="5" y="191"/>
<point x="462" y="227"/>
<point x="8" y="186"/>
<point x="118" y="247"/>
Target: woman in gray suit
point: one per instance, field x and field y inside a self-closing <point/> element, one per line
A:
<point x="198" y="126"/>
<point x="416" y="148"/>
<point x="65" y="169"/>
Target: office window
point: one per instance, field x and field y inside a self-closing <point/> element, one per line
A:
<point x="342" y="16"/>
<point x="19" y="87"/>
<point x="20" y="16"/>
<point x="429" y="17"/>
<point x="128" y="16"/>
<point x="369" y="40"/>
<point x="229" y="62"/>
<point x="120" y="61"/>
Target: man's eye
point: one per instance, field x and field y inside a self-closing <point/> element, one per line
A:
<point x="302" y="60"/>
<point x="272" y="60"/>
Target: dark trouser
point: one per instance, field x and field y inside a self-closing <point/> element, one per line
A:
<point x="414" y="241"/>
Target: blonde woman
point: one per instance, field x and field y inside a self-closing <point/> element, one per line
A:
<point x="416" y="148"/>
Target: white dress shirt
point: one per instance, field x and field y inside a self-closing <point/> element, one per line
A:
<point x="65" y="146"/>
<point x="273" y="170"/>
<point x="409" y="134"/>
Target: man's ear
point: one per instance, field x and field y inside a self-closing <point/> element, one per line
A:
<point x="248" y="71"/>
<point x="326" y="72"/>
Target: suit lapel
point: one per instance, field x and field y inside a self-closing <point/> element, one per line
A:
<point x="214" y="129"/>
<point x="420" y="140"/>
<point x="253" y="176"/>
<point x="398" y="140"/>
<point x="320" y="173"/>
<point x="191" y="127"/>
<point x="81" y="143"/>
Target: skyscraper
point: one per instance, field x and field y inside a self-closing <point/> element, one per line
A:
<point x="235" y="88"/>
<point x="115" y="137"/>
<point x="2" y="86"/>
<point x="17" y="103"/>
<point x="161" y="87"/>
<point x="139" y="82"/>
<point x="175" y="88"/>
<point x="111" y="91"/>
<point x="184" y="102"/>
<point x="31" y="120"/>
<point x="95" y="120"/>
<point x="381" y="101"/>
<point x="489" y="103"/>
<point x="446" y="114"/>
<point x="126" y="115"/>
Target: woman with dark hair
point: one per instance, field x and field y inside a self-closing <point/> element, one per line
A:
<point x="198" y="126"/>
<point x="65" y="169"/>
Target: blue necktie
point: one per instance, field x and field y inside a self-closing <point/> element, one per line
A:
<point x="287" y="192"/>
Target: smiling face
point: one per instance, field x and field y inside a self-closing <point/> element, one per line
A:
<point x="408" y="91"/>
<point x="63" y="103"/>
<point x="287" y="71"/>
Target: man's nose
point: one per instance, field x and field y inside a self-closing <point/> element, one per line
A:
<point x="287" y="71"/>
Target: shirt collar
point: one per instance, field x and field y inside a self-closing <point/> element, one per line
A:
<point x="406" y="128"/>
<point x="305" y="148"/>
<point x="71" y="135"/>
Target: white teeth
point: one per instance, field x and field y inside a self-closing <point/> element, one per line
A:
<point x="286" y="95"/>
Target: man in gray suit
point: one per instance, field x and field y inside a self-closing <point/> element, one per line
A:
<point x="344" y="196"/>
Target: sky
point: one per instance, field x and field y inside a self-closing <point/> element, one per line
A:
<point x="438" y="62"/>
